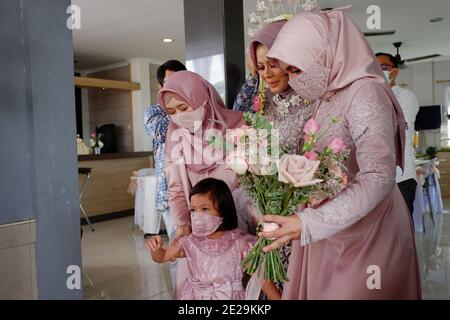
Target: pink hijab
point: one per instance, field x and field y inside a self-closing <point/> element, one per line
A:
<point x="266" y="37"/>
<point x="196" y="91"/>
<point x="330" y="40"/>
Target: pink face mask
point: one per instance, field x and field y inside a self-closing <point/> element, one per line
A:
<point x="312" y="84"/>
<point x="190" y="121"/>
<point x="204" y="224"/>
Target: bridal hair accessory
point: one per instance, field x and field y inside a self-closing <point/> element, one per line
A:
<point x="277" y="10"/>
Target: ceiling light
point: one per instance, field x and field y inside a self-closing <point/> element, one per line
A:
<point x="167" y="40"/>
<point x="438" y="19"/>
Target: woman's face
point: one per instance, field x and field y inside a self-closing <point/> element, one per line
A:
<point x="292" y="71"/>
<point x="176" y="106"/>
<point x="270" y="71"/>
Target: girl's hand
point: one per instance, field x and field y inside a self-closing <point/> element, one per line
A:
<point x="180" y="254"/>
<point x="154" y="243"/>
<point x="290" y="229"/>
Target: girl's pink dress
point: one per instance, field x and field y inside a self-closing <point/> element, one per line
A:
<point x="214" y="270"/>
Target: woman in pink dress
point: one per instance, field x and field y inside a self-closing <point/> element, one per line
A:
<point x="215" y="248"/>
<point x="360" y="244"/>
<point x="196" y="111"/>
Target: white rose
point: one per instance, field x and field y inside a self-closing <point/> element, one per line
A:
<point x="236" y="162"/>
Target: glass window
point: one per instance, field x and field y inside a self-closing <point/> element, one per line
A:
<point x="445" y="142"/>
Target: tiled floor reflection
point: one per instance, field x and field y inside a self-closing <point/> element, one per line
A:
<point x="433" y="248"/>
<point x="118" y="265"/>
<point x="115" y="260"/>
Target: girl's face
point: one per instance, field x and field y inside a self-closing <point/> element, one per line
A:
<point x="202" y="203"/>
<point x="292" y="71"/>
<point x="176" y="106"/>
<point x="270" y="71"/>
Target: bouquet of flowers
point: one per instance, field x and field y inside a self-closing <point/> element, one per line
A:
<point x="95" y="141"/>
<point x="279" y="183"/>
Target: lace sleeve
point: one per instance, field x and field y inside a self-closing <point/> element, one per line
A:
<point x="245" y="97"/>
<point x="371" y="124"/>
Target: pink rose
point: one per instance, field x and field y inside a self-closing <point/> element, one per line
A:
<point x="337" y="145"/>
<point x="297" y="170"/>
<point x="311" y="127"/>
<point x="311" y="155"/>
<point x="257" y="104"/>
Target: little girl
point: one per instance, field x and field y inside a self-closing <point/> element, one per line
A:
<point x="215" y="248"/>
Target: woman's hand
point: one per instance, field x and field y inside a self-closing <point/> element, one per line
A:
<point x="251" y="67"/>
<point x="182" y="231"/>
<point x="154" y="243"/>
<point x="290" y="229"/>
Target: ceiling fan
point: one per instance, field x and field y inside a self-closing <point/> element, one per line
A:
<point x="379" y="33"/>
<point x="401" y="63"/>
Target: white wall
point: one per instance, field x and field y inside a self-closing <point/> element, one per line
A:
<point x="421" y="78"/>
<point x="441" y="72"/>
<point x="423" y="82"/>
<point x="140" y="72"/>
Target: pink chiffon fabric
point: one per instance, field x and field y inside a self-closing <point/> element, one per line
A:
<point x="214" y="270"/>
<point x="367" y="227"/>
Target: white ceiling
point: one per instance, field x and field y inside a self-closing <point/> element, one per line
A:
<point x="409" y="17"/>
<point x="115" y="30"/>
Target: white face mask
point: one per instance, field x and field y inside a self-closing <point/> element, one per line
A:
<point x="191" y="120"/>
<point x="387" y="75"/>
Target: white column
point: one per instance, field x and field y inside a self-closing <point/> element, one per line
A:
<point x="85" y="111"/>
<point x="140" y="72"/>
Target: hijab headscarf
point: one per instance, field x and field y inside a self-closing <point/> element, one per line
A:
<point x="329" y="44"/>
<point x="196" y="92"/>
<point x="266" y="37"/>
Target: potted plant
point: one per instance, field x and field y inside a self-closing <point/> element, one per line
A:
<point x="95" y="142"/>
<point x="431" y="152"/>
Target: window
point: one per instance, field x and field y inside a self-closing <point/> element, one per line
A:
<point x="446" y="123"/>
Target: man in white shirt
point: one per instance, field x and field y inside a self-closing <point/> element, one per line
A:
<point x="406" y="180"/>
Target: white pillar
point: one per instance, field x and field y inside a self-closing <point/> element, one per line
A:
<point x="140" y="72"/>
<point x="85" y="114"/>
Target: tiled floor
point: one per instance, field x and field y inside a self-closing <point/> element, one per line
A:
<point x="433" y="248"/>
<point x="115" y="259"/>
<point x="119" y="266"/>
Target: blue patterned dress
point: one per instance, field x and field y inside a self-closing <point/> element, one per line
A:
<point x="156" y="122"/>
<point x="244" y="99"/>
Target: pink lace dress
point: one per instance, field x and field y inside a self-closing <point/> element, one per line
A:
<point x="214" y="270"/>
<point x="368" y="226"/>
